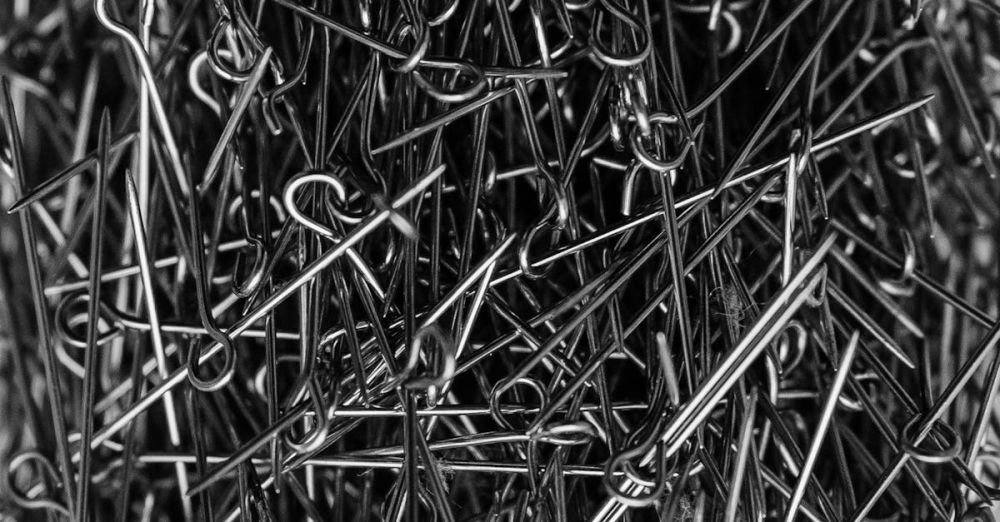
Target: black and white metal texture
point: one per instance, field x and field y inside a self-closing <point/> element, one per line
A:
<point x="499" y="260"/>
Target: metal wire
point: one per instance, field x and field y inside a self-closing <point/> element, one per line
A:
<point x="499" y="260"/>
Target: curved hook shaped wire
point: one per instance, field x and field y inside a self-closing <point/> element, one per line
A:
<point x="553" y="221"/>
<point x="461" y="67"/>
<point x="233" y="23"/>
<point x="634" y="96"/>
<point x="507" y="384"/>
<point x="68" y="317"/>
<point x="942" y="456"/>
<point x="411" y="24"/>
<point x="641" y="39"/>
<point x="217" y="48"/>
<point x="197" y="65"/>
<point x="418" y="27"/>
<point x="790" y="358"/>
<point x="334" y="183"/>
<point x="639" y="444"/>
<point x="221" y="378"/>
<point x="225" y="343"/>
<point x="656" y="486"/>
<point x="524" y="248"/>
<point x="902" y="163"/>
<point x="272" y="96"/>
<point x="322" y="419"/>
<point x="233" y="212"/>
<point x="258" y="380"/>
<point x="245" y="283"/>
<point x="25" y="499"/>
<point x="630" y="184"/>
<point x="290" y="195"/>
<point x="434" y="382"/>
<point x="648" y="159"/>
<point x="156" y="101"/>
<point x="726" y="14"/>
<point x="902" y="285"/>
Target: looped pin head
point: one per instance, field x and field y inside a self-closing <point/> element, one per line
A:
<point x="791" y="354"/>
<point x="322" y="417"/>
<point x="35" y="496"/>
<point x="903" y="285"/>
<point x="443" y="360"/>
<point x="195" y="367"/>
<point x="640" y="38"/>
<point x="419" y="33"/>
<point x="649" y="159"/>
<point x="270" y="97"/>
<point x="334" y="183"/>
<point x="476" y="79"/>
<point x="194" y="79"/>
<point x="545" y="226"/>
<point x="494" y="229"/>
<point x="71" y="313"/>
<point x="220" y="57"/>
<point x="358" y="204"/>
<point x="656" y="485"/>
<point x="505" y="385"/>
<point x="246" y="282"/>
<point x="944" y="455"/>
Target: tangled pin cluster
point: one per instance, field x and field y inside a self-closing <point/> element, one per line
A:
<point x="499" y="260"/>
